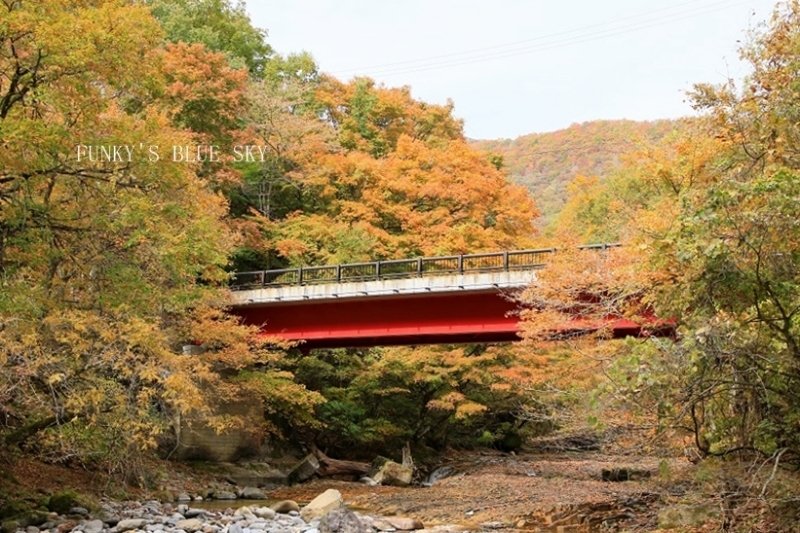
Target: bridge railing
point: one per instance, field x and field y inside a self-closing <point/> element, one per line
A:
<point x="400" y="268"/>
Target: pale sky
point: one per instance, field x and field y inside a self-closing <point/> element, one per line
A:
<point x="514" y="67"/>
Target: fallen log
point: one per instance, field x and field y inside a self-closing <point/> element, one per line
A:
<point x="337" y="467"/>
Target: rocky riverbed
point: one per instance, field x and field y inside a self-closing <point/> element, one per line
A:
<point x="482" y="492"/>
<point x="325" y="514"/>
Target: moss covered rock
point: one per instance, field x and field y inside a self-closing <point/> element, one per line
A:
<point x="14" y="508"/>
<point x="9" y="526"/>
<point x="62" y="502"/>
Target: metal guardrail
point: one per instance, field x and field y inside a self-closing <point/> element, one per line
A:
<point x="400" y="268"/>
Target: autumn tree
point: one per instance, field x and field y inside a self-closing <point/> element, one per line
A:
<point x="219" y="26"/>
<point x="716" y="236"/>
<point x="429" y="396"/>
<point x="730" y="261"/>
<point x="110" y="259"/>
<point x="396" y="180"/>
<point x="355" y="172"/>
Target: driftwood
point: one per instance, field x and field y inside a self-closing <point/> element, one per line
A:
<point x="408" y="461"/>
<point x="337" y="467"/>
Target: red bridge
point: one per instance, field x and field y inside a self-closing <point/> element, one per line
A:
<point x="437" y="300"/>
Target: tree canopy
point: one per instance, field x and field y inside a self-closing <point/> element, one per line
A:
<point x="126" y="200"/>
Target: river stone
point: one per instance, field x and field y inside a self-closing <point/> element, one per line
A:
<point x="246" y="513"/>
<point x="386" y="472"/>
<point x="404" y="524"/>
<point x="285" y="506"/>
<point x="81" y="511"/>
<point x="130" y="523"/>
<point x="183" y="497"/>
<point x="108" y="519"/>
<point x="190" y="525"/>
<point x="93" y="526"/>
<point x="382" y="525"/>
<point x="342" y="520"/>
<point x="235" y="528"/>
<point x="224" y="495"/>
<point x="194" y="512"/>
<point x="252" y="493"/>
<point x="327" y="501"/>
<point x="264" y="512"/>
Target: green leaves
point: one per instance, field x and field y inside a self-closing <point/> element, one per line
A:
<point x="219" y="26"/>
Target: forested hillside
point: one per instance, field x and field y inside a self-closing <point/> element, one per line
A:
<point x="546" y="162"/>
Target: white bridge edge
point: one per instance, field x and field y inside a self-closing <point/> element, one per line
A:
<point x="484" y="281"/>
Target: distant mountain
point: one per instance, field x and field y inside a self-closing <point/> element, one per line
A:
<point x="546" y="162"/>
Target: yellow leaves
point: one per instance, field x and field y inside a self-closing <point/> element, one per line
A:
<point x="445" y="199"/>
<point x="448" y="402"/>
<point x="58" y="377"/>
<point x="468" y="409"/>
<point x="207" y="95"/>
<point x="458" y="403"/>
<point x="406" y="183"/>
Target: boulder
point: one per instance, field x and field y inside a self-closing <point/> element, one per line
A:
<point x="285" y="506"/>
<point x="383" y="525"/>
<point x="93" y="526"/>
<point x="245" y="512"/>
<point x="386" y="472"/>
<point x="303" y="470"/>
<point x="224" y="495"/>
<point x="342" y="521"/>
<point x="131" y="523"/>
<point x="264" y="512"/>
<point x="190" y="525"/>
<point x="327" y="501"/>
<point x="65" y="500"/>
<point x="252" y="493"/>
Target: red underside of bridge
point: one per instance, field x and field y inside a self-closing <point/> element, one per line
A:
<point x="428" y="318"/>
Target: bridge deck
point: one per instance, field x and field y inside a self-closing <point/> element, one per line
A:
<point x="486" y="281"/>
<point x="440" y="300"/>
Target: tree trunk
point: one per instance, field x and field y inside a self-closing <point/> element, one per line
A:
<point x="20" y="435"/>
<point x="336" y="467"/>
